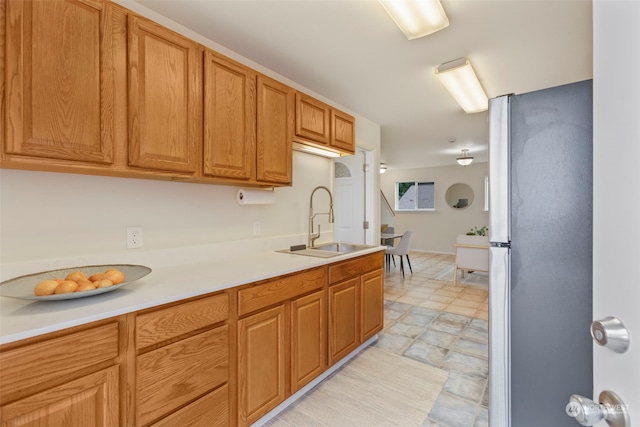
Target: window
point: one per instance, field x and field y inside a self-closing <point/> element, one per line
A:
<point x="415" y="196"/>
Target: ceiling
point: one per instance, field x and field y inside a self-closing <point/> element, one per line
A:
<point x="352" y="53"/>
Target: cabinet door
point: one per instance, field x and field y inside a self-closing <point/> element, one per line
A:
<point x="313" y="119"/>
<point x="261" y="363"/>
<point x="343" y="319"/>
<point x="60" y="81"/>
<point x="229" y="118"/>
<point x="163" y="98"/>
<point x="308" y="339"/>
<point x="88" y="401"/>
<point x="371" y="304"/>
<point x="275" y="118"/>
<point x="343" y="131"/>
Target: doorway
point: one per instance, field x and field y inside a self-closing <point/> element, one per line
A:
<point x="354" y="198"/>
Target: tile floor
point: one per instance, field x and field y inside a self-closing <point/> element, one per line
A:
<point x="444" y="326"/>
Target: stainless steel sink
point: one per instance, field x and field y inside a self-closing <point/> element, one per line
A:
<point x="343" y="248"/>
<point x="328" y="250"/>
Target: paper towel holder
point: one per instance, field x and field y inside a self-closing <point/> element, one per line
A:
<point x="243" y="195"/>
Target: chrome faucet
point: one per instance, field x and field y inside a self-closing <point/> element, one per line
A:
<point x="315" y="236"/>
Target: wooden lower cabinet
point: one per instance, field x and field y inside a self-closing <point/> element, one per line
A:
<point x="356" y="303"/>
<point x="343" y="319"/>
<point x="171" y="376"/>
<point x="308" y="339"/>
<point x="261" y="363"/>
<point x="88" y="401"/>
<point x="224" y="358"/>
<point x="211" y="410"/>
<point x="371" y="304"/>
<point x="64" y="378"/>
<point x="183" y="362"/>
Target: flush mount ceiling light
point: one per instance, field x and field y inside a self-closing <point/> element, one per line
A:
<point x="416" y="18"/>
<point x="465" y="159"/>
<point x="461" y="81"/>
<point x="383" y="168"/>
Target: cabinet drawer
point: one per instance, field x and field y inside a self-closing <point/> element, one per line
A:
<point x="44" y="361"/>
<point x="355" y="267"/>
<point x="170" y="322"/>
<point x="279" y="290"/>
<point x="211" y="410"/>
<point x="171" y="376"/>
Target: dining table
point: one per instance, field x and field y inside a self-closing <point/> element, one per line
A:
<point x="386" y="236"/>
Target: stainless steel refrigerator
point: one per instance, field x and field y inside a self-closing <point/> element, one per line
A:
<point x="540" y="229"/>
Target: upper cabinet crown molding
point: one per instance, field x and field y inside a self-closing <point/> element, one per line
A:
<point x="60" y="80"/>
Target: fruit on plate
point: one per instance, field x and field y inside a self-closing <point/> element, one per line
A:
<point x="46" y="287"/>
<point x="77" y="281"/>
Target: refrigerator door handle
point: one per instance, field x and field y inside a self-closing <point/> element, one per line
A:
<point x="499" y="337"/>
<point x="499" y="160"/>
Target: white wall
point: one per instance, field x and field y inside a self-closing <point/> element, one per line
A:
<point x="52" y="215"/>
<point x="436" y="231"/>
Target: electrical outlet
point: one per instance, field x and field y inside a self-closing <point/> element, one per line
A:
<point x="134" y="237"/>
<point x="256" y="228"/>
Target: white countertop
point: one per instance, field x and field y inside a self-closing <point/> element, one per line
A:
<point x="177" y="274"/>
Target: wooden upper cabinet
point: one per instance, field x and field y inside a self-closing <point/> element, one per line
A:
<point x="319" y="124"/>
<point x="164" y="105"/>
<point x="313" y="119"/>
<point x="275" y="119"/>
<point x="229" y="118"/>
<point x="60" y="80"/>
<point x="343" y="131"/>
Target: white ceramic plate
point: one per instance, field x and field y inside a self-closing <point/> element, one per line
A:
<point x="22" y="287"/>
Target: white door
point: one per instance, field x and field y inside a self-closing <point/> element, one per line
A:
<point x="349" y="194"/>
<point x="616" y="228"/>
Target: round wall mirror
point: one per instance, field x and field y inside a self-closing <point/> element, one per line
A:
<point x="459" y="196"/>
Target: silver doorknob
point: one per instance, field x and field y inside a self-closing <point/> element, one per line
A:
<point x="611" y="409"/>
<point x="610" y="332"/>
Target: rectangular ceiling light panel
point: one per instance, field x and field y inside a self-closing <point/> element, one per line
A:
<point x="463" y="84"/>
<point x="417" y="18"/>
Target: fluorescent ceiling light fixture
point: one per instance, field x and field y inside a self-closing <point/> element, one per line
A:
<point x="465" y="159"/>
<point x="416" y="18"/>
<point x="461" y="81"/>
<point x="315" y="150"/>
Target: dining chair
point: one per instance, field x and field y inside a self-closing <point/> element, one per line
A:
<point x="389" y="243"/>
<point x="402" y="250"/>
